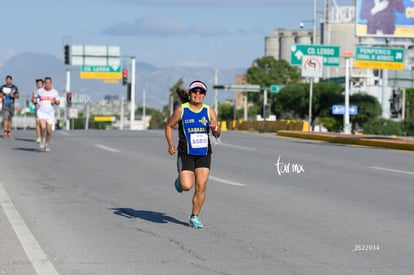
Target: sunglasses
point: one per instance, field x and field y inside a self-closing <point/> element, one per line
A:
<point x="201" y="91"/>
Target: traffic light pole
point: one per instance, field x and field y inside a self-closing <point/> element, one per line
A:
<point x="384" y="85"/>
<point x="310" y="105"/>
<point x="264" y="103"/>
<point x="132" y="115"/>
<point x="67" y="90"/>
<point x="403" y="105"/>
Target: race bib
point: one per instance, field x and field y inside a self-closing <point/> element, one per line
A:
<point x="46" y="103"/>
<point x="6" y="90"/>
<point x="199" y="140"/>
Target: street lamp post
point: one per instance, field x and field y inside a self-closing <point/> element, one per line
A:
<point x="314" y="23"/>
<point x="301" y="25"/>
<point x="347" y="126"/>
<point x="132" y="114"/>
<point x="311" y="79"/>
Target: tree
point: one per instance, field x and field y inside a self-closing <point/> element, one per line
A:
<point x="408" y="127"/>
<point x="408" y="122"/>
<point x="368" y="109"/>
<point x="268" y="71"/>
<point x="293" y="100"/>
<point x="409" y="103"/>
<point x="225" y="112"/>
<point x="173" y="94"/>
<point x="158" y="120"/>
<point x="324" y="96"/>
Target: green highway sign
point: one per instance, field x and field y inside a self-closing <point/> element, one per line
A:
<point x="101" y="69"/>
<point x="101" y="72"/>
<point x="276" y="88"/>
<point x="330" y="54"/>
<point x="381" y="58"/>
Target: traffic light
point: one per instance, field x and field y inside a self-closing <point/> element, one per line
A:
<point x="219" y="87"/>
<point x="395" y="104"/>
<point x="68" y="99"/>
<point x="129" y="90"/>
<point x="67" y="54"/>
<point x="266" y="111"/>
<point x="124" y="77"/>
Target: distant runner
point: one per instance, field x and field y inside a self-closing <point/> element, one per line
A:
<point x="9" y="93"/>
<point x="35" y="100"/>
<point x="48" y="97"/>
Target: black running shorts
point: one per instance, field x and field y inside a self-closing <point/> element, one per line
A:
<point x="187" y="162"/>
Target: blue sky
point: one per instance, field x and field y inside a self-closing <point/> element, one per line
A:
<point x="220" y="33"/>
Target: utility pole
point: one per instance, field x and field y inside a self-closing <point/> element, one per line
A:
<point x="311" y="79"/>
<point x="67" y="90"/>
<point x="216" y="92"/>
<point x="67" y="60"/>
<point x="144" y="104"/>
<point x="347" y="126"/>
<point x="132" y="114"/>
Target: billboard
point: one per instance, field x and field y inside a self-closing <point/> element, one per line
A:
<point x="385" y="18"/>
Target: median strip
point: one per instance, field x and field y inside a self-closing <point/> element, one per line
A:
<point x="364" y="140"/>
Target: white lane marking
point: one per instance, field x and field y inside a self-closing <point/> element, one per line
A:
<point x="392" y="170"/>
<point x="63" y="133"/>
<point x="31" y="246"/>
<point x="226" y="181"/>
<point x="238" y="147"/>
<point x="107" y="148"/>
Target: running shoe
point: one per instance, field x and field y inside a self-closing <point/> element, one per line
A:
<point x="177" y="185"/>
<point x="38" y="140"/>
<point x="42" y="144"/>
<point x="195" y="222"/>
<point x="47" y="148"/>
<point x="9" y="134"/>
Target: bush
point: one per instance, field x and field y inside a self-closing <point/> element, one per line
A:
<point x="329" y="123"/>
<point x="408" y="127"/>
<point x="381" y="126"/>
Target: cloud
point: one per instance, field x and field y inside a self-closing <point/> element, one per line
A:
<point x="162" y="27"/>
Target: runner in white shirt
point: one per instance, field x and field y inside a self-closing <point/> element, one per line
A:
<point x="48" y="97"/>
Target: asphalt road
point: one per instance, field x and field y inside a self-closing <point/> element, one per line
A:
<point x="103" y="202"/>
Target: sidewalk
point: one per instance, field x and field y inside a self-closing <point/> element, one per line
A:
<point x="391" y="142"/>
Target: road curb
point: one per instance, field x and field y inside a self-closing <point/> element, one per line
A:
<point x="364" y="140"/>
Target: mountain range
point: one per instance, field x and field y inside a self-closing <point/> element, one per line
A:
<point x="25" y="68"/>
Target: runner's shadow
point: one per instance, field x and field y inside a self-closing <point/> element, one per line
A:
<point x="34" y="150"/>
<point x="151" y="216"/>
<point x="25" y="139"/>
